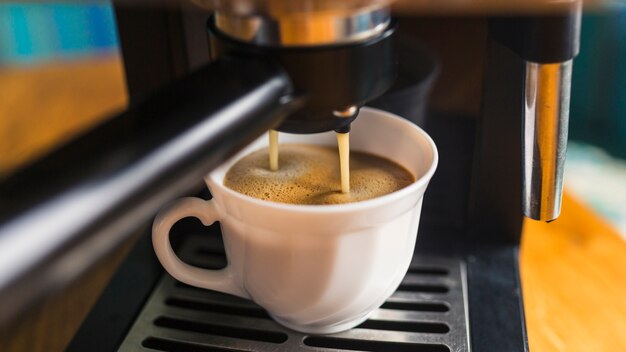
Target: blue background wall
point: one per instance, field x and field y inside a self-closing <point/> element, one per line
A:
<point x="598" y="103"/>
<point x="32" y="33"/>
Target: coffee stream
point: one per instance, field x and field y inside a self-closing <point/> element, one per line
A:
<point x="273" y="150"/>
<point x="343" y="142"/>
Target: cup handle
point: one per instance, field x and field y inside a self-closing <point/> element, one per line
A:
<point x="222" y="280"/>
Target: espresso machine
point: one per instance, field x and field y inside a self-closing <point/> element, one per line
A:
<point x="207" y="77"/>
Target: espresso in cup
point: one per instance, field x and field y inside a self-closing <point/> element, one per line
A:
<point x="310" y="175"/>
<point x="315" y="269"/>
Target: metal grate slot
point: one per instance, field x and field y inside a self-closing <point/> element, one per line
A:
<point x="209" y="257"/>
<point x="428" y="271"/>
<point x="411" y="287"/>
<point x="192" y="288"/>
<point x="409" y="326"/>
<point x="371" y="346"/>
<point x="154" y="343"/>
<point x="421" y="307"/>
<point x="225" y="308"/>
<point x="214" y="262"/>
<point x="221" y="330"/>
<point x="427" y="313"/>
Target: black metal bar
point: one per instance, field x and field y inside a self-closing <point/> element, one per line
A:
<point x="61" y="214"/>
<point x="495" y="297"/>
<point x="496" y="309"/>
<point x="548" y="38"/>
<point x="159" y="44"/>
<point x="334" y="77"/>
<point x="495" y="210"/>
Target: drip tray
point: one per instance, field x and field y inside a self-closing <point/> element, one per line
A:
<point x="428" y="312"/>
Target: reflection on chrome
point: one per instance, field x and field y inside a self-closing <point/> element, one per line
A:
<point x="544" y="138"/>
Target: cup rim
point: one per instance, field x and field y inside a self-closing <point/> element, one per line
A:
<point x="345" y="207"/>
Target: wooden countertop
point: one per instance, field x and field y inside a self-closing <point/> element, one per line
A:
<point x="573" y="270"/>
<point x="574" y="282"/>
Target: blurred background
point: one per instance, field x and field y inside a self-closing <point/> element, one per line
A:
<point x="34" y="33"/>
<point x="595" y="169"/>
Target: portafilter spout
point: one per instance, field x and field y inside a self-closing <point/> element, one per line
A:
<point x="339" y="59"/>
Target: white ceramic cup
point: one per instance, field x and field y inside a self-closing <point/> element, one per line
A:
<point x="315" y="268"/>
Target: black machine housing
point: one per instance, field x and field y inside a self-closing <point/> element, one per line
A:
<point x="331" y="77"/>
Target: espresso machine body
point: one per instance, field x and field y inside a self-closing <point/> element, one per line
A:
<point x="498" y="114"/>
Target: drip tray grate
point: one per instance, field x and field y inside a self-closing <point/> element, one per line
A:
<point x="428" y="313"/>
